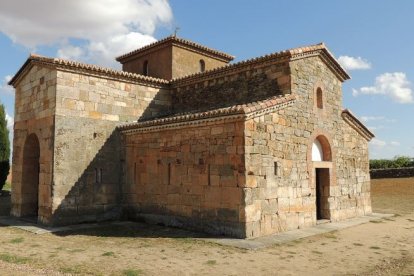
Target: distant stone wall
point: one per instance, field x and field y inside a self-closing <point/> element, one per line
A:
<point x="392" y="173"/>
<point x="189" y="176"/>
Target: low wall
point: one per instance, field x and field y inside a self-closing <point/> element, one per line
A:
<point x="392" y="173"/>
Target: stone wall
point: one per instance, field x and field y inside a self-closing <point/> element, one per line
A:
<point x="159" y="64"/>
<point x="392" y="173"/>
<point x="170" y="61"/>
<point x="87" y="154"/>
<point x="188" y="176"/>
<point x="281" y="189"/>
<point x="35" y="103"/>
<point x="241" y="86"/>
<point x="186" y="62"/>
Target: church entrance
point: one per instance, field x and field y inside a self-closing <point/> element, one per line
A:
<point x="322" y="165"/>
<point x="30" y="177"/>
<point x="322" y="193"/>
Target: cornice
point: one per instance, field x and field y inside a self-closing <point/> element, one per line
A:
<point x="262" y="61"/>
<point x="357" y="125"/>
<point x="78" y="67"/>
<point x="173" y="40"/>
<point x="236" y="112"/>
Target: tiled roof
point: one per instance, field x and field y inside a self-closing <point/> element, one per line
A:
<point x="249" y="109"/>
<point x="292" y="54"/>
<point x="181" y="41"/>
<point x="356" y="124"/>
<point x="62" y="63"/>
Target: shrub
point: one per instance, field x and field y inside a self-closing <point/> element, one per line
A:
<point x="396" y="162"/>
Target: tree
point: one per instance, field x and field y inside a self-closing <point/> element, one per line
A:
<point x="4" y="148"/>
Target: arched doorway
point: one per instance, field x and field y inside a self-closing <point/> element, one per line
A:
<point x="30" y="177"/>
<point x="322" y="163"/>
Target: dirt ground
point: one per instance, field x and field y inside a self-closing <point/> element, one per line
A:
<point x="375" y="248"/>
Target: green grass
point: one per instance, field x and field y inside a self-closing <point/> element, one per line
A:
<point x="375" y="247"/>
<point x="5" y="257"/>
<point x="17" y="240"/>
<point x="7" y="186"/>
<point x="330" y="235"/>
<point x="132" y="272"/>
<point x="72" y="270"/>
<point x="211" y="262"/>
<point x="109" y="253"/>
<point x="358" y="244"/>
<point x="76" y="250"/>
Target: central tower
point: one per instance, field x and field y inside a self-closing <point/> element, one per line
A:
<point x="172" y="58"/>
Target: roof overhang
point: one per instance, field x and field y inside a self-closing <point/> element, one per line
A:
<point x="356" y="124"/>
<point x="78" y="67"/>
<point x="176" y="41"/>
<point x="236" y="112"/>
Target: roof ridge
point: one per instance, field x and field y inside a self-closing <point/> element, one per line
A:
<point x="180" y="40"/>
<point x="86" y="66"/>
<point x="357" y="124"/>
<point x="288" y="53"/>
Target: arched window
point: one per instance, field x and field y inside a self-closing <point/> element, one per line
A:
<point x="319" y="98"/>
<point x="321" y="150"/>
<point x="202" y="65"/>
<point x="145" y="68"/>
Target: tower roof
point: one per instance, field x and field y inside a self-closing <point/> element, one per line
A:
<point x="173" y="40"/>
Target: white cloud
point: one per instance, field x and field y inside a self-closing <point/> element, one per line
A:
<point x="354" y="63"/>
<point x="10" y="125"/>
<point x="366" y="119"/>
<point x="378" y="143"/>
<point x="70" y="52"/>
<point x="395" y="143"/>
<point x="5" y="88"/>
<point x="102" y="29"/>
<point x="393" y="85"/>
<point x="10" y="122"/>
<point x="373" y="128"/>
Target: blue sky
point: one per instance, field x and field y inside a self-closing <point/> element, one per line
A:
<point x="372" y="39"/>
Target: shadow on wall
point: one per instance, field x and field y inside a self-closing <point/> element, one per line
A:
<point x="241" y="90"/>
<point x="96" y="195"/>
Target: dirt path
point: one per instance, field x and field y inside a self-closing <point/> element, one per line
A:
<point x="375" y="248"/>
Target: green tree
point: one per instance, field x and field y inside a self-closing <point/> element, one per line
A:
<point x="4" y="148"/>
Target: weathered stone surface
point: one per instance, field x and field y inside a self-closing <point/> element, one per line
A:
<point x="242" y="167"/>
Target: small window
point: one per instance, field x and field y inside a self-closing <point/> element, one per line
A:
<point x="145" y="68"/>
<point x="319" y="98"/>
<point x="275" y="168"/>
<point x="202" y="65"/>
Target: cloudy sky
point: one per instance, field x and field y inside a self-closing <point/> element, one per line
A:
<point x="373" y="44"/>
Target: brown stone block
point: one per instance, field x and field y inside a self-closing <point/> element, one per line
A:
<point x="251" y="181"/>
<point x="217" y="130"/>
<point x="231" y="196"/>
<point x="212" y="194"/>
<point x="95" y="115"/>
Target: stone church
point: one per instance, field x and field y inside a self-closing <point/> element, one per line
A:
<point x="183" y="137"/>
